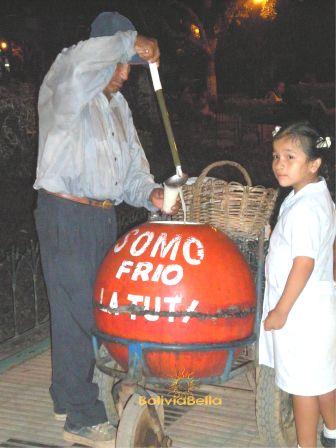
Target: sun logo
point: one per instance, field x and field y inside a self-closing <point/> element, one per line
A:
<point x="183" y="385"/>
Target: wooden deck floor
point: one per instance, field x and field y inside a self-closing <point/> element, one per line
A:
<point x="26" y="417"/>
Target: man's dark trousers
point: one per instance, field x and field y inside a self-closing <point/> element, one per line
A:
<point x="74" y="239"/>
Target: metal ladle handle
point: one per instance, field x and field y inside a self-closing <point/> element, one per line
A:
<point x="165" y="116"/>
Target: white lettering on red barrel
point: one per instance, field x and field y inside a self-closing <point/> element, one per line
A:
<point x="135" y="299"/>
<point x="119" y="246"/>
<point x="147" y="237"/>
<point x="157" y="273"/>
<point x="124" y="268"/>
<point x="114" y="302"/>
<point x="199" y="249"/>
<point x="142" y="270"/>
<point x="190" y="309"/>
<point x="101" y="296"/>
<point x="177" y="272"/>
<point x="172" y="301"/>
<point x="157" y="308"/>
<point x="164" y="247"/>
<point x="145" y="301"/>
<point x="169" y="275"/>
<point x="156" y="247"/>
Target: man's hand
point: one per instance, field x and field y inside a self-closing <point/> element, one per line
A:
<point x="176" y="207"/>
<point x="275" y="320"/>
<point x="147" y="48"/>
<point x="156" y="198"/>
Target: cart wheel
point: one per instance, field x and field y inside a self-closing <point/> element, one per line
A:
<point x="105" y="383"/>
<point x="275" y="419"/>
<point x="136" y="427"/>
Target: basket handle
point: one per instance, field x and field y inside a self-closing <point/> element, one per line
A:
<point x="206" y="170"/>
<point x="195" y="202"/>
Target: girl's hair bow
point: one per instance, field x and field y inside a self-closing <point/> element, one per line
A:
<point x="323" y="142"/>
<point x="276" y="130"/>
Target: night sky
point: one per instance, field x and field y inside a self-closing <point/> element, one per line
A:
<point x="299" y="42"/>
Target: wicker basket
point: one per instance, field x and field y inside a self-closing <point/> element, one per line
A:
<point x="236" y="209"/>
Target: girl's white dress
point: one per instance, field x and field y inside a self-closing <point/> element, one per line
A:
<point x="303" y="352"/>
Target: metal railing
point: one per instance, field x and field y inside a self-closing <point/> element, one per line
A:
<point x="23" y="297"/>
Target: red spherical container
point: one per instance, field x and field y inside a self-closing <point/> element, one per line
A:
<point x="175" y="267"/>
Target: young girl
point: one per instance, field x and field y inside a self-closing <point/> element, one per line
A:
<point x="298" y="330"/>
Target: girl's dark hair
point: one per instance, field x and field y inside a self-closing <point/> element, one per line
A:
<point x="308" y="137"/>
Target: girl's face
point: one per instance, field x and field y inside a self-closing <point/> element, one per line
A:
<point x="291" y="166"/>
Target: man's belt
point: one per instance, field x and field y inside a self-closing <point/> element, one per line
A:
<point x="86" y="201"/>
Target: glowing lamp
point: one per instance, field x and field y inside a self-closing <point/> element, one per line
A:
<point x="196" y="32"/>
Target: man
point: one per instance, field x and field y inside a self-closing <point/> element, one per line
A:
<point x="90" y="159"/>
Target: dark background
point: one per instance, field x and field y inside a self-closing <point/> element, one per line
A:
<point x="250" y="56"/>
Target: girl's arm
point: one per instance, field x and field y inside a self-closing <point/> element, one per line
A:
<point x="297" y="279"/>
<point x="334" y="263"/>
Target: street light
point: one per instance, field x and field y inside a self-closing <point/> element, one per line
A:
<point x="266" y="8"/>
<point x="196" y="32"/>
<point x="3" y="45"/>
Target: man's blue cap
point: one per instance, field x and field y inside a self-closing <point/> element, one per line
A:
<point x="109" y="23"/>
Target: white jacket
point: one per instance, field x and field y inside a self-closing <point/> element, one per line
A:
<point x="88" y="146"/>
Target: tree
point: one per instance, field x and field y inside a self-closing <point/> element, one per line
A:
<point x="205" y="23"/>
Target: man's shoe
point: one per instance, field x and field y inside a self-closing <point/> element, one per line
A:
<point x="61" y="417"/>
<point x="327" y="442"/>
<point x="99" y="436"/>
<point x="59" y="413"/>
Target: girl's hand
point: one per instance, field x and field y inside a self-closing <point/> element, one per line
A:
<point x="275" y="320"/>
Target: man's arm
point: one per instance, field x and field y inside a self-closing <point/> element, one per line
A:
<point x="81" y="72"/>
